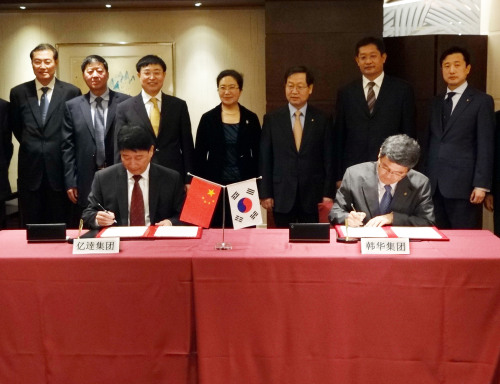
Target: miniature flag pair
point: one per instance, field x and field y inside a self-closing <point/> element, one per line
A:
<point x="203" y="195"/>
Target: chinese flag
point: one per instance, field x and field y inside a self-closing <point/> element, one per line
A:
<point x="200" y="202"/>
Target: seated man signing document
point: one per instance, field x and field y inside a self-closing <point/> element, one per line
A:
<point x="136" y="191"/>
<point x="386" y="192"/>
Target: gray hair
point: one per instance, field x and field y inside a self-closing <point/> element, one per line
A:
<point x="402" y="150"/>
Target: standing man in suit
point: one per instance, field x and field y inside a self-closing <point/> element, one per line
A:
<point x="386" y="192"/>
<point x="88" y="133"/>
<point x="295" y="159"/>
<point x="371" y="108"/>
<point x="165" y="117"/>
<point x="135" y="191"/>
<point x="37" y="109"/>
<point x="5" y="156"/>
<point x="461" y="140"/>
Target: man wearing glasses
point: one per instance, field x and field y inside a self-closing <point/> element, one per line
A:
<point x="386" y="192"/>
<point x="295" y="159"/>
<point x="165" y="117"/>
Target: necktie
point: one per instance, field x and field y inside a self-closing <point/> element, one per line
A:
<point x="44" y="103"/>
<point x="99" y="132"/>
<point x="447" y="108"/>
<point x="137" y="204"/>
<point x="370" y="97"/>
<point x="385" y="203"/>
<point x="297" y="130"/>
<point x="155" y="116"/>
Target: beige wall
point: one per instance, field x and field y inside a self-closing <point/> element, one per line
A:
<point x="206" y="41"/>
<point x="493" y="80"/>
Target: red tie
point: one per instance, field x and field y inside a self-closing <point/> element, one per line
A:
<point x="137" y="204"/>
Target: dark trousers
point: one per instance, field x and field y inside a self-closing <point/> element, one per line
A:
<point x="296" y="215"/>
<point x="456" y="213"/>
<point x="43" y="205"/>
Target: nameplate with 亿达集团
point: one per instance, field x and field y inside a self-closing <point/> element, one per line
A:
<point x="96" y="245"/>
<point x="385" y="246"/>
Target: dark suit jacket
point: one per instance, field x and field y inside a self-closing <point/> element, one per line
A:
<point x="5" y="150"/>
<point x="210" y="148"/>
<point x="39" y="145"/>
<point x="174" y="146"/>
<point x="79" y="145"/>
<point x="411" y="204"/>
<point x="460" y="155"/>
<point x="110" y="189"/>
<point x="360" y="134"/>
<point x="285" y="171"/>
<point x="496" y="177"/>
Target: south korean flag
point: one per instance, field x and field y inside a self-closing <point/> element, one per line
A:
<point x="244" y="203"/>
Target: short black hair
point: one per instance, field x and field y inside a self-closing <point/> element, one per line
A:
<point x="379" y="43"/>
<point x="300" y="69"/>
<point x="234" y="74"/>
<point x="148" y="60"/>
<point x="134" y="138"/>
<point x="401" y="149"/>
<point x="94" y="59"/>
<point x="45" y="47"/>
<point x="455" y="49"/>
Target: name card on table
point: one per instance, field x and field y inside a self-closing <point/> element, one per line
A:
<point x="96" y="246"/>
<point x="385" y="246"/>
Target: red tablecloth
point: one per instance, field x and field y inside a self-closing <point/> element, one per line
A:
<point x="109" y="319"/>
<point x="274" y="312"/>
<point x="266" y="312"/>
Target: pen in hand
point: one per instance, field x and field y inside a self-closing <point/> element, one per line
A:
<point x="105" y="210"/>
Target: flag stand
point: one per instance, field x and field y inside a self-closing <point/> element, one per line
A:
<point x="223" y="245"/>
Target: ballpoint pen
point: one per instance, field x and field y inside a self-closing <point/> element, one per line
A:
<point x="105" y="210"/>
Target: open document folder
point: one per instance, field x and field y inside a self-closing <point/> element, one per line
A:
<point x="152" y="232"/>
<point x="413" y="233"/>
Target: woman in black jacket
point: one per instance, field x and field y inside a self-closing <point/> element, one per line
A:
<point x="227" y="140"/>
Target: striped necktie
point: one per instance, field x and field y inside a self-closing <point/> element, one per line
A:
<point x="370" y="98"/>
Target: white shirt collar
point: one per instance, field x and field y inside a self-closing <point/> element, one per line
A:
<point x="146" y="97"/>
<point x="145" y="174"/>
<point x="50" y="85"/>
<point x="458" y="90"/>
<point x="105" y="96"/>
<point x="377" y="81"/>
<point x="293" y="109"/>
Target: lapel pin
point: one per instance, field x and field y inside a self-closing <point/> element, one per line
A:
<point x="312" y="120"/>
<point x="247" y="121"/>
<point x="405" y="193"/>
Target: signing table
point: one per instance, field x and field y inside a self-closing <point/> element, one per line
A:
<point x="266" y="312"/>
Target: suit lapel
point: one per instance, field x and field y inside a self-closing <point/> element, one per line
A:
<point x="153" y="194"/>
<point x="55" y="100"/>
<point x="461" y="106"/>
<point x="308" y="129"/>
<point x="140" y="110"/>
<point x="87" y="114"/>
<point x="32" y="97"/>
<point x="287" y="129"/>
<point x="370" y="191"/>
<point x="111" y="111"/>
<point x="401" y="194"/>
<point x="360" y="95"/>
<point x="122" y="195"/>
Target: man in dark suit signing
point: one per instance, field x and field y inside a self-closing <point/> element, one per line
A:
<point x="385" y="192"/>
<point x="88" y="132"/>
<point x="136" y="191"/>
<point x="5" y="156"/>
<point x="295" y="159"/>
<point x="371" y="108"/>
<point x="36" y="114"/>
<point x="461" y="140"/>
<point x="164" y="117"/>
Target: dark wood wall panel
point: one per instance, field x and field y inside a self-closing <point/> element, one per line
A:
<point x="321" y="35"/>
<point x="416" y="59"/>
